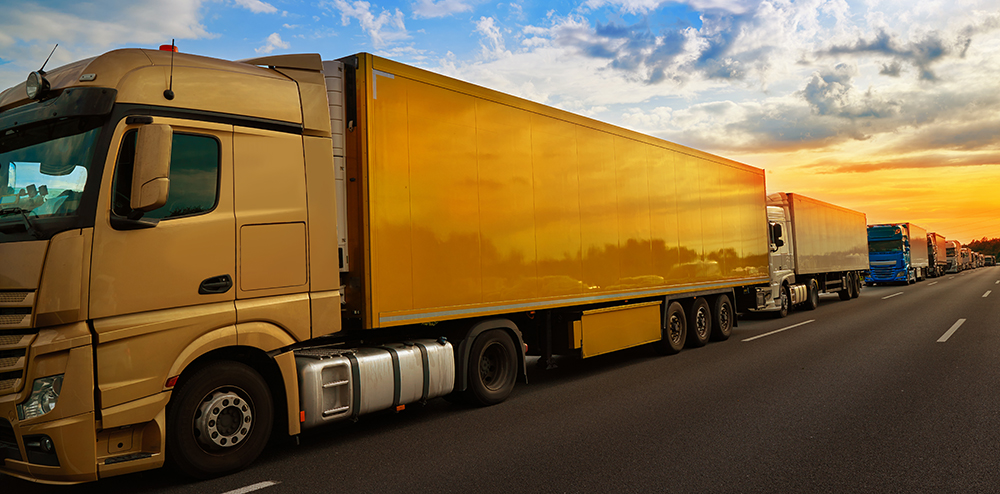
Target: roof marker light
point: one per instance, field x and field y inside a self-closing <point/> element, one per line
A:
<point x="168" y="48"/>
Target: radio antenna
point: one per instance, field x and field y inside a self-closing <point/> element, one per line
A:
<point x="169" y="93"/>
<point x="42" y="70"/>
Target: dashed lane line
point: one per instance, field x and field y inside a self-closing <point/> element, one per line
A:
<point x="947" y="334"/>
<point x="893" y="295"/>
<point x="253" y="487"/>
<point x="932" y="283"/>
<point x="780" y="330"/>
<point x="987" y="294"/>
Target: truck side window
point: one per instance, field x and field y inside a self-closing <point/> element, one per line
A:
<point x="194" y="176"/>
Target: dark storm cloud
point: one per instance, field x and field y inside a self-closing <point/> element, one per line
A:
<point x="634" y="49"/>
<point x="921" y="53"/>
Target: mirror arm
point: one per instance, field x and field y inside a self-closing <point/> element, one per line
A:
<point x="123" y="223"/>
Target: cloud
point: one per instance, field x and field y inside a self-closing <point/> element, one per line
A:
<point x="913" y="162"/>
<point x="440" y="8"/>
<point x="28" y="33"/>
<point x="257" y="6"/>
<point x="273" y="41"/>
<point x="492" y="42"/>
<point x="922" y="53"/>
<point x="642" y="7"/>
<point x="384" y="29"/>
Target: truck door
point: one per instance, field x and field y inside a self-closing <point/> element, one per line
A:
<point x="156" y="290"/>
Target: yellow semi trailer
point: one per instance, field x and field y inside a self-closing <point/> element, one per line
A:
<point x="198" y="251"/>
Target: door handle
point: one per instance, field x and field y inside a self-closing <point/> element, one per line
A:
<point x="216" y="284"/>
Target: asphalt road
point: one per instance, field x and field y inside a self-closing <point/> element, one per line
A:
<point x="885" y="393"/>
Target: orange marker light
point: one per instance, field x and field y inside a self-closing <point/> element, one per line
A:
<point x="302" y="415"/>
<point x="172" y="381"/>
<point x="168" y="47"/>
<point x="400" y="408"/>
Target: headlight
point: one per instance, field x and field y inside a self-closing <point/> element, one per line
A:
<point x="44" y="394"/>
<point x="36" y="85"/>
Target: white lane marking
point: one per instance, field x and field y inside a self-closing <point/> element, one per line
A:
<point x="997" y="283"/>
<point x="893" y="295"/>
<point x="779" y="330"/>
<point x="987" y="294"/>
<point x="947" y="334"/>
<point x="932" y="283"/>
<point x="250" y="488"/>
<point x="951" y="277"/>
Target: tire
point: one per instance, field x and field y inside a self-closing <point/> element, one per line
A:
<point x="845" y="293"/>
<point x="674" y="331"/>
<point x="234" y="393"/>
<point x="700" y="323"/>
<point x="492" y="368"/>
<point x="855" y="285"/>
<point x="812" y="294"/>
<point x="785" y="303"/>
<point x="723" y="318"/>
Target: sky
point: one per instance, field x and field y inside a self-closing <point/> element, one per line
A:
<point x="888" y="107"/>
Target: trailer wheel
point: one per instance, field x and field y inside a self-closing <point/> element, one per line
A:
<point x="722" y="318"/>
<point x="219" y="420"/>
<point x="492" y="368"/>
<point x="700" y="320"/>
<point x="785" y="302"/>
<point x="812" y="294"/>
<point x="674" y="330"/>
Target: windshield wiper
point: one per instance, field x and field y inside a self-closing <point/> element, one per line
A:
<point x="28" y="225"/>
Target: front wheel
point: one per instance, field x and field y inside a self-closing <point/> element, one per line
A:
<point x="784" y="303"/>
<point x="812" y="294"/>
<point x="219" y="420"/>
<point x="492" y="368"/>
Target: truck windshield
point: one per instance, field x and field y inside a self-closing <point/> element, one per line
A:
<point x="885" y="246"/>
<point x="43" y="172"/>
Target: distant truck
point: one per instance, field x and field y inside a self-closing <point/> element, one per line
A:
<point x="897" y="252"/>
<point x="816" y="247"/>
<point x="967" y="258"/>
<point x="954" y="254"/>
<point x="990" y="261"/>
<point x="937" y="256"/>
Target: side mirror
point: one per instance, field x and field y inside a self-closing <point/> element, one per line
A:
<point x="151" y="172"/>
<point x="776" y="234"/>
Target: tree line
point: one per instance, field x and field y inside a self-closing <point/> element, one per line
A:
<point x="986" y="246"/>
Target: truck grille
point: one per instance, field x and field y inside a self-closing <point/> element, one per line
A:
<point x="882" y="273"/>
<point x="13" y="360"/>
<point x="15" y="309"/>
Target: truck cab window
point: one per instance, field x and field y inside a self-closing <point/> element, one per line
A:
<point x="194" y="176"/>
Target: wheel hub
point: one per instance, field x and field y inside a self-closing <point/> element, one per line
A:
<point x="701" y="320"/>
<point x="223" y="420"/>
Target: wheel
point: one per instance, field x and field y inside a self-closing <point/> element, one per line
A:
<point x="812" y="294"/>
<point x="785" y="302"/>
<point x="722" y="318"/>
<point x="674" y="330"/>
<point x="845" y="293"/>
<point x="492" y="368"/>
<point x="218" y="420"/>
<point x="855" y="285"/>
<point x="700" y="321"/>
